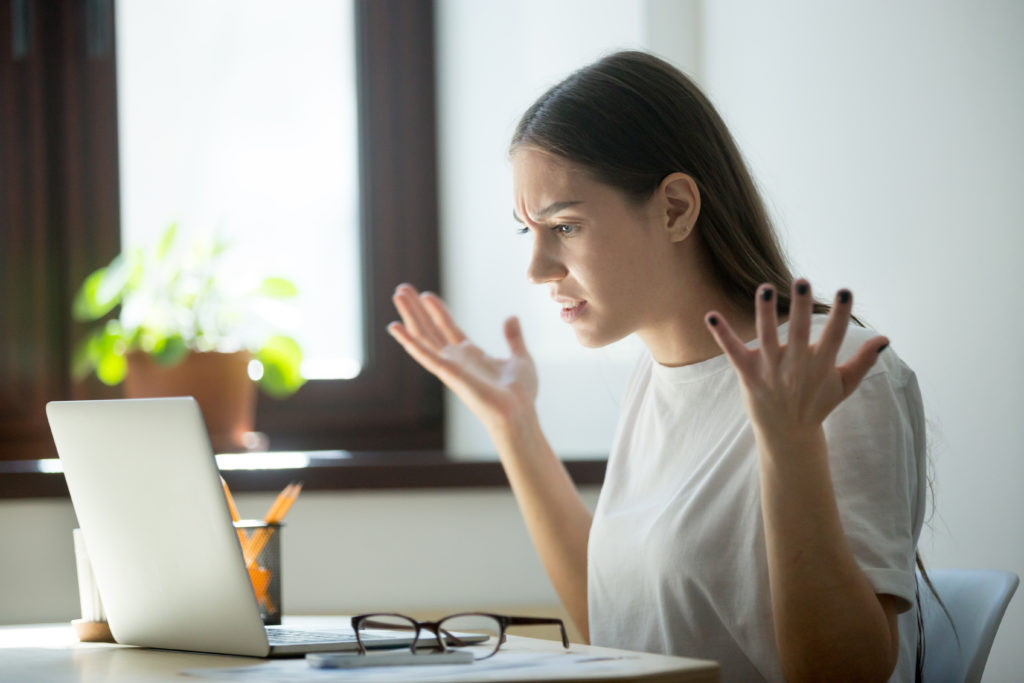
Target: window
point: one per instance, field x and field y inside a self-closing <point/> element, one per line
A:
<point x="251" y="134"/>
<point x="60" y="207"/>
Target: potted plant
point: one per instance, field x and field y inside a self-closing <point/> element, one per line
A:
<point x="186" y="325"/>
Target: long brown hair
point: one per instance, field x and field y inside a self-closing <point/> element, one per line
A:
<point x="631" y="119"/>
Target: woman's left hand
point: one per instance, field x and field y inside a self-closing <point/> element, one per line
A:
<point x="790" y="389"/>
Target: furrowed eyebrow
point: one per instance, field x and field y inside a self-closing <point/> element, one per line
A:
<point x="548" y="210"/>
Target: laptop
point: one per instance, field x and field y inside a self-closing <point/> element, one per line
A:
<point x="166" y="558"/>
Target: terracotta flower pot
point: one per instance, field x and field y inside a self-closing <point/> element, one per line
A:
<point x="219" y="382"/>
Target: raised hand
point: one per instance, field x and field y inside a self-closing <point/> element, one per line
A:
<point x="497" y="390"/>
<point x="790" y="389"/>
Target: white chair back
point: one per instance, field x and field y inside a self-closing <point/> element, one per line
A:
<point x="976" y="600"/>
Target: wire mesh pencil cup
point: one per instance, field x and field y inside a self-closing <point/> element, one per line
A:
<point x="261" y="548"/>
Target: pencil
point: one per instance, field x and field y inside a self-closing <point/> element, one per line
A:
<point x="272" y="511"/>
<point x="242" y="537"/>
<point x="282" y="503"/>
<point x="256" y="541"/>
<point x="275" y="514"/>
<point x="231" y="501"/>
<point x="288" y="502"/>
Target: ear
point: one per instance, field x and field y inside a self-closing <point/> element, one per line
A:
<point x="680" y="201"/>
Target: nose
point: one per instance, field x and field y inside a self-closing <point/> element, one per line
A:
<point x="544" y="265"/>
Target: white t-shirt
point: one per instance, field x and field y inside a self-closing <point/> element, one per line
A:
<point x="676" y="558"/>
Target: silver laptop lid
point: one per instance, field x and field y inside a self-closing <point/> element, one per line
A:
<point x="148" y="497"/>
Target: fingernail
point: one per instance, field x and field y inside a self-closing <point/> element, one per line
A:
<point x="713" y="320"/>
<point x="801" y="289"/>
<point x="844" y="296"/>
<point x="766" y="295"/>
<point x="883" y="347"/>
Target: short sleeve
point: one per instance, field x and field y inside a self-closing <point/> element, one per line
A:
<point x="876" y="445"/>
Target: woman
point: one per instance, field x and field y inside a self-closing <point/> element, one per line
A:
<point x="765" y="489"/>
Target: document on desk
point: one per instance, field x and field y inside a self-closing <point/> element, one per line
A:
<point x="498" y="668"/>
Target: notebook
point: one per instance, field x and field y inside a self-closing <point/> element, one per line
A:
<point x="166" y="558"/>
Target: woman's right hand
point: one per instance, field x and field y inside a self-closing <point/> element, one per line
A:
<point x="499" y="391"/>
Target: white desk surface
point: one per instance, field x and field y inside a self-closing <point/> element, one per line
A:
<point x="51" y="652"/>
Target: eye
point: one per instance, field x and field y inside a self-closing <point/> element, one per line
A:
<point x="522" y="230"/>
<point x="565" y="229"/>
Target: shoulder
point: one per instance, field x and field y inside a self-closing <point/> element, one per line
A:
<point x="888" y="363"/>
<point x="888" y="399"/>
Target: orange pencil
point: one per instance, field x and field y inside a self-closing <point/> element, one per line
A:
<point x="231" y="501"/>
<point x="288" y="502"/>
<point x="271" y="515"/>
<point x="275" y="514"/>
<point x="234" y="511"/>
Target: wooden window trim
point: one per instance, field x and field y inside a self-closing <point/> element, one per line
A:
<point x="59" y="203"/>
<point x="394" y="404"/>
<point x="356" y="471"/>
<point x="60" y="208"/>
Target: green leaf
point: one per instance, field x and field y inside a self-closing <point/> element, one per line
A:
<point x="172" y="352"/>
<point x="136" y="265"/>
<point x="166" y="241"/>
<point x="112" y="368"/>
<point x="111" y="365"/>
<point x="282" y="359"/>
<point x="81" y="366"/>
<point x="86" y="355"/>
<point x="85" y="305"/>
<point x="221" y="246"/>
<point x="102" y="290"/>
<point x="277" y="288"/>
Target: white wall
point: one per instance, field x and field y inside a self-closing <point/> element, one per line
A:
<point x="433" y="550"/>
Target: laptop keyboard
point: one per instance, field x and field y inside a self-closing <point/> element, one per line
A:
<point x="291" y="636"/>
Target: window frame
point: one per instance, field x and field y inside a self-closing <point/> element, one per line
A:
<point x="60" y="205"/>
<point x="393" y="403"/>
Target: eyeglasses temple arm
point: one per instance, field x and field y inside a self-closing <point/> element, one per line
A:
<point x="539" y="621"/>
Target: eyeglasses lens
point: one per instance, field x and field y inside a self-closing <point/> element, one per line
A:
<point x="386" y="622"/>
<point x="478" y="631"/>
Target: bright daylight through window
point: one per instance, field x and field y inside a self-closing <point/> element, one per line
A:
<point x="237" y="120"/>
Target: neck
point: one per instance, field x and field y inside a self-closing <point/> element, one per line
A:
<point x="677" y="335"/>
<point x="684" y="339"/>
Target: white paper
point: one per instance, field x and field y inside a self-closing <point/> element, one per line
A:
<point x="494" y="669"/>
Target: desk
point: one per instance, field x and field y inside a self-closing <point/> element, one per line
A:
<point x="50" y="652"/>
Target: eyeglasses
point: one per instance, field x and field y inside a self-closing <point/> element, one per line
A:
<point x="458" y="630"/>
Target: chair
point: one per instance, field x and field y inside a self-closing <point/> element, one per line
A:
<point x="976" y="600"/>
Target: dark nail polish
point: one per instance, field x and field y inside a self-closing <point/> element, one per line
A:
<point x="883" y="347"/>
<point x="801" y="289"/>
<point x="766" y="295"/>
<point x="844" y="296"/>
<point x="713" y="320"/>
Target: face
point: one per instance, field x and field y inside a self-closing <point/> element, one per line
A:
<point x="603" y="258"/>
